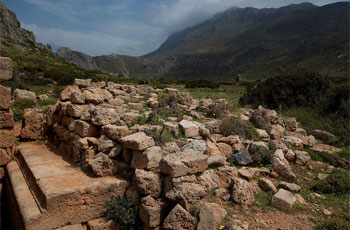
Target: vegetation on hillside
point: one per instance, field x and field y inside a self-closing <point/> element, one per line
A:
<point x="317" y="102"/>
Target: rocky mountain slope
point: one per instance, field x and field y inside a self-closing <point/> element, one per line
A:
<point x="253" y="42"/>
<point x="11" y="29"/>
<point x="117" y="64"/>
<point x="34" y="64"/>
<point x="261" y="42"/>
<point x="82" y="60"/>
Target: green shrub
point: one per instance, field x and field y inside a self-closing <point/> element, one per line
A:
<point x="334" y="224"/>
<point x="235" y="126"/>
<point x="336" y="183"/>
<point x="263" y="200"/>
<point x="123" y="212"/>
<point x="201" y="84"/>
<point x="334" y="159"/>
<point x="19" y="105"/>
<point x="47" y="102"/>
<point x="272" y="145"/>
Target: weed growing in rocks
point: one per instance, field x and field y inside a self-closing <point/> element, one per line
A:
<point x="123" y="212"/>
<point x="19" y="105"/>
<point x="235" y="126"/>
<point x="263" y="200"/>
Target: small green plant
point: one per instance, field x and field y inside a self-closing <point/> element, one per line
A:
<point x="336" y="183"/>
<point x="19" y="105"/>
<point x="194" y="211"/>
<point x="164" y="96"/>
<point x="47" y="102"/>
<point x="123" y="212"/>
<point x="235" y="126"/>
<point x="166" y="137"/>
<point x="263" y="200"/>
<point x="141" y="120"/>
<point x="334" y="224"/>
<point x="271" y="146"/>
<point x="119" y="123"/>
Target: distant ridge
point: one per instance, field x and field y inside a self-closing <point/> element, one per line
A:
<point x="255" y="43"/>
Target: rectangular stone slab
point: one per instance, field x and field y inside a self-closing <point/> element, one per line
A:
<point x="66" y="194"/>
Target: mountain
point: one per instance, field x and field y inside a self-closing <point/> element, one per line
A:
<point x="34" y="65"/>
<point x="82" y="60"/>
<point x="117" y="64"/>
<point x="255" y="43"/>
<point x="260" y="42"/>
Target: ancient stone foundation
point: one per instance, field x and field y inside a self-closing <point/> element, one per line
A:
<point x="7" y="137"/>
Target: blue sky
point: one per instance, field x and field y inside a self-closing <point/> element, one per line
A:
<point x="130" y="27"/>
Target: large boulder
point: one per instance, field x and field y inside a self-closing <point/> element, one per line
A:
<point x="137" y="141"/>
<point x="104" y="144"/>
<point x="283" y="200"/>
<point x="4" y="159"/>
<point x="85" y="129"/>
<point x="241" y="192"/>
<point x="150" y="212"/>
<point x="101" y="116"/>
<point x="281" y="165"/>
<point x="171" y="182"/>
<point x="101" y="165"/>
<point x="186" y="194"/>
<point x="6" y="119"/>
<point x="190" y="128"/>
<point x="82" y="83"/>
<point x="209" y="179"/>
<point x="115" y="132"/>
<point x="195" y="146"/>
<point x="178" y="219"/>
<point x="101" y="224"/>
<point x="148" y="182"/>
<point x="7" y="138"/>
<point x="67" y="92"/>
<point x="289" y="186"/>
<point x="5" y="97"/>
<point x="32" y="124"/>
<point x="22" y="93"/>
<point x="243" y="157"/>
<point x="323" y="148"/>
<point x="323" y="135"/>
<point x="290" y="124"/>
<point x="210" y="216"/>
<point x="267" y="185"/>
<point x="302" y="157"/>
<point x="150" y="158"/>
<point x="260" y="152"/>
<point x="183" y="163"/>
<point x="77" y="98"/>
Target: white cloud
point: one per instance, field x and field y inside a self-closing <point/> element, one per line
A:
<point x="122" y="27"/>
<point x="93" y="43"/>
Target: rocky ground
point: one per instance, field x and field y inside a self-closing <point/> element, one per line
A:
<point x="190" y="164"/>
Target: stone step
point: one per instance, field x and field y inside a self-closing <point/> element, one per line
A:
<point x="64" y="194"/>
<point x="28" y="208"/>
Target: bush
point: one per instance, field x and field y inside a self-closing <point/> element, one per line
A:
<point x="235" y="126"/>
<point x="336" y="183"/>
<point x="201" y="84"/>
<point x="334" y="224"/>
<point x="47" y="102"/>
<point x="123" y="212"/>
<point x="19" y="105"/>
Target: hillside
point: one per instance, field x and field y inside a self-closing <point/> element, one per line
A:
<point x="34" y="64"/>
<point x="258" y="43"/>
